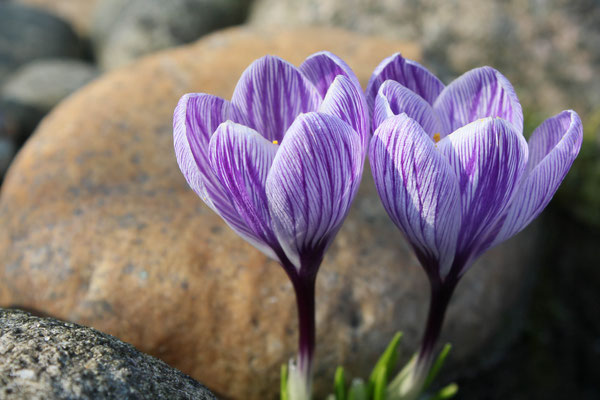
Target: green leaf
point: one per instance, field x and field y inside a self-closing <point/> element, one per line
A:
<point x="437" y="365"/>
<point x="446" y="393"/>
<point x="380" y="383"/>
<point x="397" y="388"/>
<point x="387" y="363"/>
<point x="340" y="384"/>
<point x="358" y="390"/>
<point x="283" y="383"/>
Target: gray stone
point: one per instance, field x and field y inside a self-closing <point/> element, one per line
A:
<point x="43" y="84"/>
<point x="7" y="152"/>
<point x="123" y="30"/>
<point x="44" y="358"/>
<point x="28" y="34"/>
<point x="547" y="48"/>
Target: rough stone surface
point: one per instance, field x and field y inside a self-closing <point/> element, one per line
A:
<point x="124" y="30"/>
<point x="43" y="358"/>
<point x="78" y="13"/>
<point x="43" y="84"/>
<point x="548" y="48"/>
<point x="99" y="227"/>
<point x="28" y="34"/>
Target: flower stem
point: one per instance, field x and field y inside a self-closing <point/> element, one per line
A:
<point x="304" y="286"/>
<point x="441" y="292"/>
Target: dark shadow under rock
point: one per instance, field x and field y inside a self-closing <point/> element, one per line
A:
<point x="43" y="358"/>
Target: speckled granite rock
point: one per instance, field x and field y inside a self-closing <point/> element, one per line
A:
<point x="43" y="358"/>
<point x="98" y="226"/>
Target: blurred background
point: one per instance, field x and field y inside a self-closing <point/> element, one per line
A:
<point x="548" y="49"/>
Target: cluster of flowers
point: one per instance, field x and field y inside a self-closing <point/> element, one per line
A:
<point x="282" y="161"/>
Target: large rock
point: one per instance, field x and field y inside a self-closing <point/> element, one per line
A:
<point x="44" y="83"/>
<point x="124" y="30"/>
<point x="98" y="226"/>
<point x="43" y="358"/>
<point x="78" y="13"/>
<point x="548" y="48"/>
<point x="28" y="34"/>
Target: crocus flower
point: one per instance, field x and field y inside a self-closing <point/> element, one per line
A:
<point x="455" y="173"/>
<point x="280" y="163"/>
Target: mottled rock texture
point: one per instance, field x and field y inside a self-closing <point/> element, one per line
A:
<point x="98" y="226"/>
<point x="44" y="83"/>
<point x="77" y="12"/>
<point x="123" y="30"/>
<point x="548" y="48"/>
<point x="28" y="34"/>
<point x="44" y="358"/>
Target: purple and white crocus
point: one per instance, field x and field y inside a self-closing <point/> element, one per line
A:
<point x="280" y="163"/>
<point x="455" y="173"/>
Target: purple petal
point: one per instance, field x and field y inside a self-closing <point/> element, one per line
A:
<point x="321" y="69"/>
<point x="241" y="158"/>
<point x="488" y="158"/>
<point x="196" y="117"/>
<point x="270" y="94"/>
<point x="552" y="150"/>
<point x="418" y="189"/>
<point x="480" y="93"/>
<point x="313" y="180"/>
<point x="395" y="99"/>
<point x="408" y="73"/>
<point x="346" y="102"/>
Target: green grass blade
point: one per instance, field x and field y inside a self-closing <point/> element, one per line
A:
<point x="340" y="384"/>
<point x="386" y="362"/>
<point x="437" y="365"/>
<point x="283" y="395"/>
<point x="446" y="393"/>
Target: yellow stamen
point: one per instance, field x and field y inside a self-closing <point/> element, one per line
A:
<point x="436" y="137"/>
<point x="275" y="142"/>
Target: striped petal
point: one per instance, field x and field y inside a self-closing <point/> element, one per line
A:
<point x="270" y="94"/>
<point x="408" y="73"/>
<point x="552" y="149"/>
<point x="312" y="182"/>
<point x="321" y="69"/>
<point x="346" y="102"/>
<point x="394" y="99"/>
<point x="418" y="189"/>
<point x="196" y="117"/>
<point x="488" y="158"/>
<point x="241" y="158"/>
<point x="480" y="93"/>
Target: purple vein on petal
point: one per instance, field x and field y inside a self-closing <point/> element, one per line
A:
<point x="322" y="68"/>
<point x="408" y="73"/>
<point x="489" y="158"/>
<point x="196" y="117"/>
<point x="313" y="180"/>
<point x="346" y="102"/>
<point x="241" y="158"/>
<point x="418" y="189"/>
<point x="270" y="94"/>
<point x="395" y="99"/>
<point x="553" y="147"/>
<point x="480" y="93"/>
